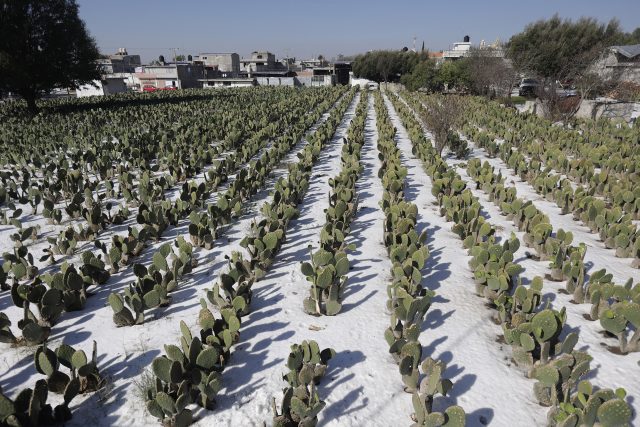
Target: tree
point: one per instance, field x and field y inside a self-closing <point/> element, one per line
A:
<point x="490" y="73"/>
<point x="43" y="45"/>
<point x="385" y="65"/>
<point x="442" y="115"/>
<point x="423" y="76"/>
<point x="557" y="50"/>
<point x="180" y="58"/>
<point x="454" y="74"/>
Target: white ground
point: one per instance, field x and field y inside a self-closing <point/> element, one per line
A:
<point x="363" y="385"/>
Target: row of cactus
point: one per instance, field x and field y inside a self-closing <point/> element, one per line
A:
<point x="532" y="328"/>
<point x="613" y="222"/>
<point x="52" y="295"/>
<point x="204" y="226"/>
<point x="30" y="407"/>
<point x="69" y="288"/>
<point x="301" y="403"/>
<point x="408" y="300"/>
<point x="608" y="170"/>
<point x="193" y="373"/>
<point x="36" y="330"/>
<point x="617" y="308"/>
<point x="182" y="157"/>
<point x="329" y="264"/>
<point x="153" y="283"/>
<point x="567" y="261"/>
<point x="620" y="312"/>
<point x="65" y="244"/>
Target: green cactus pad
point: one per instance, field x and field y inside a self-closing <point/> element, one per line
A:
<point x="614" y="413"/>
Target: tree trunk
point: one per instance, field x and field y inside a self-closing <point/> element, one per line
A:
<point x="31" y="104"/>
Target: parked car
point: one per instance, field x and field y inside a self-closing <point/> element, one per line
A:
<point x="528" y="87"/>
<point x="565" y="90"/>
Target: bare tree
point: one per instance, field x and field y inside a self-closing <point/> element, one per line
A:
<point x="491" y="74"/>
<point x="442" y="115"/>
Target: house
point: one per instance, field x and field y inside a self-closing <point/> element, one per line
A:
<point x="621" y="62"/>
<point x="227" y="62"/>
<point x="260" y="61"/>
<point x="121" y="62"/>
<point x="464" y="49"/>
<point x="181" y="75"/>
<point x="105" y="86"/>
<point x="459" y="50"/>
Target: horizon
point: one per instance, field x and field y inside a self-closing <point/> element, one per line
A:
<point x="197" y="27"/>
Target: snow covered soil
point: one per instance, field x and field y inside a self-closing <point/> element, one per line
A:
<point x="363" y="385"/>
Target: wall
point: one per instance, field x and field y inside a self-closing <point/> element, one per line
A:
<point x="275" y="81"/>
<point x="229" y="62"/>
<point x="111" y="86"/>
<point x="89" y="90"/>
<point x="314" y="80"/>
<point x="102" y="87"/>
<point x="189" y="75"/>
<point x="627" y="111"/>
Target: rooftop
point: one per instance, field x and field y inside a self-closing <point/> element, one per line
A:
<point x="630" y="51"/>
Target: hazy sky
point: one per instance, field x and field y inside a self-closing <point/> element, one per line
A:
<point x="305" y="28"/>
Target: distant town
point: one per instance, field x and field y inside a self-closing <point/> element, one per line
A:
<point x="123" y="71"/>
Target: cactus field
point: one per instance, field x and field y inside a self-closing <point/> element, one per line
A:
<point x="300" y="257"/>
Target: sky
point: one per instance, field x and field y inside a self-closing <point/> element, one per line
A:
<point x="306" y="29"/>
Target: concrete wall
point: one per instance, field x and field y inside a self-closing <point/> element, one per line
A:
<point x="611" y="66"/>
<point x="627" y="111"/>
<point x="276" y="81"/>
<point x="222" y="85"/>
<point x="189" y="75"/>
<point x="102" y="87"/>
<point x="590" y="109"/>
<point x="229" y="62"/>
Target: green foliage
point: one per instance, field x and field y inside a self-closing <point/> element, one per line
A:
<point x="55" y="31"/>
<point x="301" y="402"/>
<point x="386" y="65"/>
<point x="560" y="48"/>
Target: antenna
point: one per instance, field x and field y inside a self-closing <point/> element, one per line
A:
<point x="414" y="44"/>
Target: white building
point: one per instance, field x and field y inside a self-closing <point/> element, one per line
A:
<point x="209" y="83"/>
<point x="464" y="48"/>
<point x="459" y="50"/>
<point x="105" y="86"/>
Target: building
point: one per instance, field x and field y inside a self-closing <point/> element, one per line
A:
<point x="465" y="48"/>
<point x="621" y="62"/>
<point x="459" y="50"/>
<point x="177" y="75"/>
<point x="121" y="62"/>
<point x="227" y="62"/>
<point x="105" y="86"/>
<point x="260" y="61"/>
<point x="341" y="70"/>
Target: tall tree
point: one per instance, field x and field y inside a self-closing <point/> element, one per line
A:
<point x="490" y="73"/>
<point x="43" y="45"/>
<point x="562" y="50"/>
<point x="386" y="65"/>
<point x="423" y="76"/>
